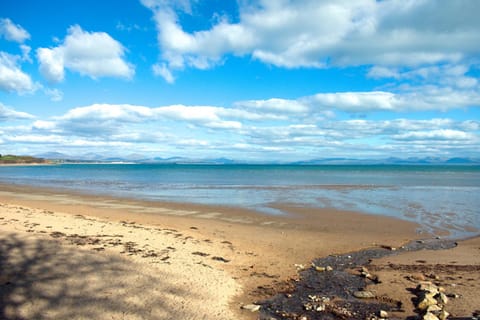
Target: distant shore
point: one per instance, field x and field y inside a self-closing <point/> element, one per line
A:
<point x="163" y="260"/>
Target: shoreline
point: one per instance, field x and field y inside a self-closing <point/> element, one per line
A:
<point x="251" y="250"/>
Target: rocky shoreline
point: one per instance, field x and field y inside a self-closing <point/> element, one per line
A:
<point x="342" y="287"/>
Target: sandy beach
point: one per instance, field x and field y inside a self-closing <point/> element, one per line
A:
<point x="73" y="256"/>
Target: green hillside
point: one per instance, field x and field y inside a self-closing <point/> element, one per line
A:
<point x="12" y="159"/>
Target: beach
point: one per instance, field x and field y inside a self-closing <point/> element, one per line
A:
<point x="66" y="255"/>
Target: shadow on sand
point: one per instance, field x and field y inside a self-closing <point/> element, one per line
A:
<point x="40" y="279"/>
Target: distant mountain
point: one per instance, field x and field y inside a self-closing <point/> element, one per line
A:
<point x="390" y="161"/>
<point x="461" y="161"/>
<point x="52" y="155"/>
<point x="139" y="158"/>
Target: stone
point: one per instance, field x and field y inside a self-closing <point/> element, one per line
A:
<point x="426" y="301"/>
<point x="430" y="316"/>
<point x="364" y="294"/>
<point x="443" y="298"/>
<point x="434" y="308"/>
<point x="428" y="287"/>
<point x="443" y="315"/>
<point x="383" y="314"/>
<point x="320" y="269"/>
<point x="323" y="269"/>
<point x="418" y="277"/>
<point x="251" y="307"/>
<point x="299" y="267"/>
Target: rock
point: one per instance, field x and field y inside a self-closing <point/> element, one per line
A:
<point x="388" y="247"/>
<point x="320" y="269"/>
<point x="364" y="294"/>
<point x="299" y="267"/>
<point x="383" y="314"/>
<point x="443" y="315"/>
<point x="417" y="277"/>
<point x="443" y="298"/>
<point x="434" y="308"/>
<point x="428" y="287"/>
<point x="430" y="316"/>
<point x="426" y="301"/>
<point x="251" y="307"/>
<point x="323" y="269"/>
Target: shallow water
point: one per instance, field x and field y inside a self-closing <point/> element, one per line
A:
<point x="444" y="198"/>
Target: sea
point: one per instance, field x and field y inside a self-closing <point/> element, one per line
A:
<point x="442" y="198"/>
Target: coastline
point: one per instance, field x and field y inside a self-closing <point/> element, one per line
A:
<point x="226" y="254"/>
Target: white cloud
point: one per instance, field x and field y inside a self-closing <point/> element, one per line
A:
<point x="411" y="99"/>
<point x="123" y="113"/>
<point x="206" y="116"/>
<point x="441" y="134"/>
<point x="311" y="33"/>
<point x="261" y="130"/>
<point x="94" y="54"/>
<point x="451" y="75"/>
<point x="10" y="114"/>
<point x="26" y="53"/>
<point x="274" y="105"/>
<point x="12" y="78"/>
<point x="51" y="64"/>
<point x="163" y="71"/>
<point x="13" y="32"/>
<point x="54" y="94"/>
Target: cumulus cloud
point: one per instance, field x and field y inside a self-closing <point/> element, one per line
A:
<point x="309" y="33"/>
<point x="450" y="75"/>
<point x="93" y="54"/>
<point x="206" y="116"/>
<point x="12" y="31"/>
<point x="411" y="99"/>
<point x="109" y="119"/>
<point x="12" y="78"/>
<point x="443" y="134"/>
<point x="10" y="114"/>
<point x="52" y="65"/>
<point x="239" y="131"/>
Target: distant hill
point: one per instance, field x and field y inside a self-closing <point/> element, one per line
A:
<point x="139" y="158"/>
<point x="12" y="159"/>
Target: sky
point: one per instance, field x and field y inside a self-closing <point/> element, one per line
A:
<point x="258" y="80"/>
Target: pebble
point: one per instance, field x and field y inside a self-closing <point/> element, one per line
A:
<point x="434" y="308"/>
<point x="418" y="277"/>
<point x="299" y="267"/>
<point x="443" y="298"/>
<point x="251" y="307"/>
<point x="443" y="315"/>
<point x="428" y="287"/>
<point x="426" y="302"/>
<point x="364" y="294"/>
<point x="430" y="316"/>
<point x="383" y="314"/>
<point x="322" y="269"/>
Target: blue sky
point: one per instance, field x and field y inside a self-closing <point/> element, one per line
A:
<point x="248" y="80"/>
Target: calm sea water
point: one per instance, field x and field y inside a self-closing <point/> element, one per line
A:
<point x="442" y="197"/>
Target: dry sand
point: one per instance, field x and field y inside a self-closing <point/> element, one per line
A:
<point x="70" y="256"/>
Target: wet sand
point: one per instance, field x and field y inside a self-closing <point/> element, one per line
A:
<point x="86" y="256"/>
